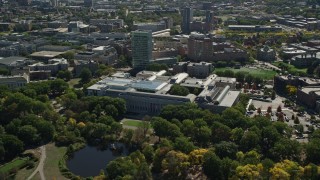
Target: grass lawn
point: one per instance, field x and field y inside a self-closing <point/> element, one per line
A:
<point x="73" y="82"/>
<point x="51" y="164"/>
<point x="291" y="67"/>
<point x="264" y="74"/>
<point x="35" y="177"/>
<point x="134" y="123"/>
<point x="14" y="164"/>
<point x="25" y="172"/>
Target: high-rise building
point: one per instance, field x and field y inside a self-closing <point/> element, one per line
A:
<point x="187" y="18"/>
<point x="200" y="47"/>
<point x="141" y="48"/>
<point x="88" y="3"/>
<point x="209" y="16"/>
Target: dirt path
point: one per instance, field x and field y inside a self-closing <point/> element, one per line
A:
<point x="40" y="166"/>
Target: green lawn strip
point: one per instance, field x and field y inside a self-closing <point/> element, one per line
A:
<point x="51" y="164"/>
<point x="291" y="67"/>
<point x="14" y="164"/>
<point x="265" y="74"/>
<point x="25" y="172"/>
<point x="133" y="123"/>
<point x="73" y="82"/>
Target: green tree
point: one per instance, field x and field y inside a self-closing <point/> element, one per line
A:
<point x="12" y="145"/>
<point x="240" y="76"/>
<point x="179" y="90"/>
<point x="228" y="73"/>
<point x="236" y="134"/>
<point x="183" y="144"/>
<point x="68" y="55"/>
<point x="269" y="137"/>
<point x="85" y="75"/>
<point x="188" y="128"/>
<point x="220" y="132"/>
<point x="28" y="134"/>
<point x="58" y="86"/>
<point x="156" y="67"/>
<point x="212" y="161"/>
<point x="312" y="151"/>
<point x="249" y="78"/>
<point x="65" y="75"/>
<point x="202" y="135"/>
<point x="143" y="172"/>
<point x="148" y="153"/>
<point x="121" y="167"/>
<point x="4" y="71"/>
<point x="226" y="149"/>
<point x="163" y="128"/>
<point x="233" y="118"/>
<point x="249" y="141"/>
<point x="286" y="149"/>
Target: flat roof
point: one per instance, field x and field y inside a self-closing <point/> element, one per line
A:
<point x="230" y="98"/>
<point x="307" y="90"/>
<point x="149" y="85"/>
<point x="115" y="81"/>
<point x="49" y="54"/>
<point x="192" y="82"/>
<point x="11" y="60"/>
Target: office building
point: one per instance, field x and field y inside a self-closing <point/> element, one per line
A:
<point x="255" y="28"/>
<point x="200" y="47"/>
<point x="266" y="54"/>
<point x="310" y="97"/>
<point x="149" y="94"/>
<point x="197" y="70"/>
<point x="54" y="66"/>
<point x="14" y="82"/>
<point x="187" y="17"/>
<point x="141" y="48"/>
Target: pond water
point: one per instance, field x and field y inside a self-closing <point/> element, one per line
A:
<point x="90" y="160"/>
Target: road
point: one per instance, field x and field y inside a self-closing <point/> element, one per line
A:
<point x="40" y="165"/>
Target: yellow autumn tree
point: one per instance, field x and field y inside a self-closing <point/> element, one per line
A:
<point x="81" y="124"/>
<point x="248" y="171"/>
<point x="196" y="156"/>
<point x="291" y="90"/>
<point x="278" y="173"/>
<point x="311" y="171"/>
<point x="72" y="121"/>
<point x="287" y="170"/>
<point x="176" y="163"/>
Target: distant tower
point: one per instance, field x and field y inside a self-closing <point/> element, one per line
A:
<point x="168" y="22"/>
<point x="141" y="48"/>
<point x="54" y="3"/>
<point x="187" y="18"/>
<point x="209" y="16"/>
<point x="88" y="3"/>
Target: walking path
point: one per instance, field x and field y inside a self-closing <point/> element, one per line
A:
<point x="40" y="165"/>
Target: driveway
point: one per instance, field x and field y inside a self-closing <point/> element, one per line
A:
<point x="40" y="165"/>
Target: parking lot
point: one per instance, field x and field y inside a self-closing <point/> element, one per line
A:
<point x="264" y="105"/>
<point x="287" y="116"/>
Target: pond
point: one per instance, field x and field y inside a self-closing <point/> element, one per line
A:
<point x="90" y="160"/>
